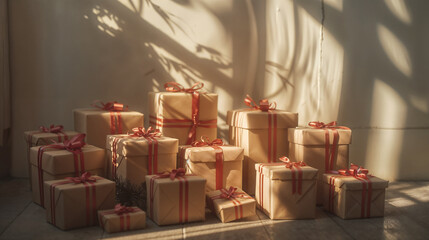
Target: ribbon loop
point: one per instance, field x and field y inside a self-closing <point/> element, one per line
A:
<point x="85" y="177"/>
<point x="177" y="87"/>
<point x="121" y="209"/>
<point x="52" y="129"/>
<point x="205" y="141"/>
<point x="290" y="164"/>
<point x="355" y="171"/>
<point x="142" y="132"/>
<point x="264" y="104"/>
<point x="74" y="144"/>
<point x="175" y="173"/>
<point x="321" y="125"/>
<point x="113" y="106"/>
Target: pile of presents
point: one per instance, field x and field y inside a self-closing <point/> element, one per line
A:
<point x="186" y="168"/>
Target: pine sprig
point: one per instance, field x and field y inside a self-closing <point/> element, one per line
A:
<point x="129" y="194"/>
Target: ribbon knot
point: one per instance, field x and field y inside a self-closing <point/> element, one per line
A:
<point x="74" y="144"/>
<point x="85" y="177"/>
<point x="121" y="209"/>
<point x="231" y="193"/>
<point x="320" y="125"/>
<point x="142" y="132"/>
<point x="205" y="141"/>
<point x="113" y="106"/>
<point x="177" y="87"/>
<point x="175" y="173"/>
<point x="52" y="128"/>
<point x="290" y="164"/>
<point x="264" y="105"/>
<point x="355" y="171"/>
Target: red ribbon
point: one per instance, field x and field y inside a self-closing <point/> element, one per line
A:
<point x="58" y="129"/>
<point x="264" y="105"/>
<point x="292" y="166"/>
<point x="232" y="195"/>
<point x="124" y="215"/>
<point x="115" y="110"/>
<point x="177" y="87"/>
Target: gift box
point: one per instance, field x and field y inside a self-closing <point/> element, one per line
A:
<point x="286" y="190"/>
<point x="322" y="146"/>
<point x="107" y="119"/>
<point x="57" y="161"/>
<point x="74" y="202"/>
<point x="263" y="133"/>
<point x="132" y="157"/>
<point x="175" y="197"/>
<point x="231" y="204"/>
<point x="185" y="114"/>
<point x="354" y="194"/>
<point x="122" y="218"/>
<point x="220" y="164"/>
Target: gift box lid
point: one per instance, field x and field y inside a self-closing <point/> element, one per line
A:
<point x="96" y="111"/>
<point x="37" y="137"/>
<point x="208" y="154"/>
<point x="167" y="180"/>
<point x="279" y="171"/>
<point x="139" y="146"/>
<point x="257" y="119"/>
<point x="315" y="136"/>
<point x="101" y="182"/>
<point x="351" y="183"/>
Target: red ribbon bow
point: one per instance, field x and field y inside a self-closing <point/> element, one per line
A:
<point x="142" y="132"/>
<point x="121" y="209"/>
<point x="354" y="170"/>
<point x="175" y="173"/>
<point x="231" y="193"/>
<point x="264" y="105"/>
<point x="74" y="144"/>
<point x="205" y="141"/>
<point x="177" y="87"/>
<point x="52" y="128"/>
<point x="296" y="182"/>
<point x="319" y="125"/>
<point x="113" y="106"/>
<point x="290" y="164"/>
<point x="85" y="177"/>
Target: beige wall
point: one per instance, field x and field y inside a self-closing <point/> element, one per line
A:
<point x="364" y="66"/>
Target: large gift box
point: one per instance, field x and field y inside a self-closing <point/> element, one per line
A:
<point x="185" y="114"/>
<point x="107" y="119"/>
<point x="231" y="204"/>
<point x="175" y="197"/>
<point x="134" y="156"/>
<point x="74" y="202"/>
<point x="322" y="146"/>
<point x="68" y="159"/>
<point x="122" y="218"/>
<point x="353" y="193"/>
<point x="286" y="190"/>
<point x="263" y="133"/>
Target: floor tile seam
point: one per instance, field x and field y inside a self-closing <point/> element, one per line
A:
<point x="263" y="226"/>
<point x="331" y="217"/>
<point x="13" y="220"/>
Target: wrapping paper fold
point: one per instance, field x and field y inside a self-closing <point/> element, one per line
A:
<point x="112" y="222"/>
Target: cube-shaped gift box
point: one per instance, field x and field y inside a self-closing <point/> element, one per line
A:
<point x="105" y="119"/>
<point x="231" y="204"/>
<point x="325" y="147"/>
<point x="354" y="196"/>
<point x="122" y="218"/>
<point x="74" y="202"/>
<point x="263" y="133"/>
<point x="185" y="114"/>
<point x="286" y="193"/>
<point x="175" y="198"/>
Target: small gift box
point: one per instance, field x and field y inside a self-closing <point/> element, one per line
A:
<point x="353" y="193"/>
<point x="122" y="218"/>
<point x="322" y="146"/>
<point x="263" y="133"/>
<point x="105" y="119"/>
<point x="60" y="160"/>
<point x="175" y="197"/>
<point x="143" y="152"/>
<point x="184" y="113"/>
<point x="231" y="204"/>
<point x="220" y="164"/>
<point x="74" y="202"/>
<point x="286" y="190"/>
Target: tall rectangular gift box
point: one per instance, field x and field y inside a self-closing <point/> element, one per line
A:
<point x="354" y="194"/>
<point x="322" y="146"/>
<point x="286" y="191"/>
<point x="105" y="119"/>
<point x="175" y="198"/>
<point x="74" y="202"/>
<point x="185" y="114"/>
<point x="132" y="157"/>
<point x="57" y="161"/>
<point x="263" y="133"/>
<point x="121" y="219"/>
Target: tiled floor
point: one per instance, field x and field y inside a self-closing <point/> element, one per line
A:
<point x="407" y="217"/>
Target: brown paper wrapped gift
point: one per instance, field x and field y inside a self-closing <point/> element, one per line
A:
<point x="58" y="164"/>
<point x="73" y="203"/>
<point x="231" y="204"/>
<point x="98" y="123"/>
<point x="262" y="134"/>
<point x="343" y="196"/>
<point x="122" y="219"/>
<point x="308" y="145"/>
<point x="185" y="115"/>
<point x="136" y="157"/>
<point x="278" y="191"/>
<point x="173" y="199"/>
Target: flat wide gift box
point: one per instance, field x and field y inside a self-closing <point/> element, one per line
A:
<point x="177" y="200"/>
<point x="184" y="115"/>
<point x="310" y="146"/>
<point x="136" y="157"/>
<point x="284" y="193"/>
<point x="58" y="164"/>
<point x="73" y="203"/>
<point x="122" y="219"/>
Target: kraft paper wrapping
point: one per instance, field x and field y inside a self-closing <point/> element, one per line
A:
<point x="348" y="196"/>
<point x="201" y="161"/>
<point x="111" y="222"/>
<point x="226" y="210"/>
<point x="308" y="145"/>
<point x="95" y="123"/>
<point x="59" y="164"/>
<point x="71" y="203"/>
<point x="278" y="201"/>
<point x="132" y="156"/>
<point x="250" y="129"/>
<point x="178" y="106"/>
<point x="166" y="200"/>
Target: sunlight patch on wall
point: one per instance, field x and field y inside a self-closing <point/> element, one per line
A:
<point x="107" y="22"/>
<point x="336" y="4"/>
<point x="399" y="10"/>
<point x="419" y="102"/>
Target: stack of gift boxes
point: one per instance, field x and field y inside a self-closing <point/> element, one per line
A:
<point x="185" y="168"/>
